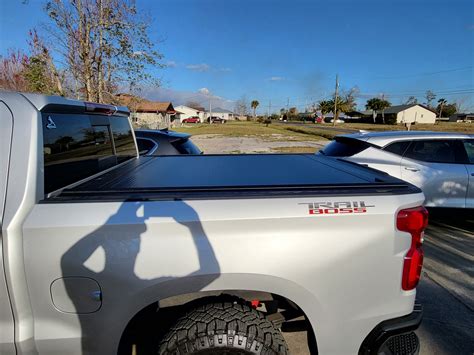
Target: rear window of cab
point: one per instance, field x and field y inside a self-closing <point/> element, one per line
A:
<point x="76" y="146"/>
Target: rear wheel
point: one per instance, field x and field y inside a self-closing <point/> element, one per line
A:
<point x="223" y="328"/>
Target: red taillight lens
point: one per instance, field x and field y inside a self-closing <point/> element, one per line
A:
<point x="413" y="221"/>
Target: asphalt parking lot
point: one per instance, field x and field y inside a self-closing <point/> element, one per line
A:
<point x="447" y="287"/>
<point x="446" y="290"/>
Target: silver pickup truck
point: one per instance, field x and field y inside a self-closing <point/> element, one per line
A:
<point x="106" y="252"/>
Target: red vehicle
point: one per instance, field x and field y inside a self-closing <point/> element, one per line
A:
<point x="194" y="119"/>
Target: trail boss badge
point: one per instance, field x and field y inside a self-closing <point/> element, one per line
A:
<point x="344" y="207"/>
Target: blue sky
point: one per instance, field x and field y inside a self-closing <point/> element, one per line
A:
<point x="279" y="50"/>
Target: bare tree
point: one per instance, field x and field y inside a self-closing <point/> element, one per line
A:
<point x="430" y="96"/>
<point x="103" y="43"/>
<point x="411" y="100"/>
<point x="241" y="106"/>
<point x="460" y="103"/>
<point x="12" y="68"/>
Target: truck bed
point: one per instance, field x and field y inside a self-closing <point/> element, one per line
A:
<point x="187" y="176"/>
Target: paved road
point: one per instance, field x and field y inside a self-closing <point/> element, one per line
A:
<point x="446" y="290"/>
<point x="447" y="287"/>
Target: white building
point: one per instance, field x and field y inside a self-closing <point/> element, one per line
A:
<point x="414" y="113"/>
<point x="188" y="112"/>
<point x="221" y="113"/>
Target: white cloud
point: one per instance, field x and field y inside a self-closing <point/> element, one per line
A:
<point x="276" y="78"/>
<point x="204" y="91"/>
<point x="198" y="67"/>
<point x="224" y="70"/>
<point x="171" y="64"/>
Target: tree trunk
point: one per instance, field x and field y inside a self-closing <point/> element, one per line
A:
<point x="100" y="64"/>
<point x="55" y="74"/>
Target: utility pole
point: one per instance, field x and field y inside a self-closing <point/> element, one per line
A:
<point x="269" y="108"/>
<point x="383" y="109"/>
<point x="334" y="119"/>
<point x="210" y="110"/>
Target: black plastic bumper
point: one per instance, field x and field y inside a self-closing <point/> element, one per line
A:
<point x="376" y="339"/>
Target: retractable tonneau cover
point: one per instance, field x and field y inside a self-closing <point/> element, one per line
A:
<point x="239" y="175"/>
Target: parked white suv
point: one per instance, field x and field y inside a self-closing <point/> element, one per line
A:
<point x="441" y="164"/>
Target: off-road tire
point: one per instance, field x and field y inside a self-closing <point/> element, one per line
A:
<point x="223" y="328"/>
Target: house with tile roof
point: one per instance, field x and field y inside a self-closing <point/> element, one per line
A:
<point x="150" y="114"/>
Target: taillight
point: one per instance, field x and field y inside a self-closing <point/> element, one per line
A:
<point x="413" y="221"/>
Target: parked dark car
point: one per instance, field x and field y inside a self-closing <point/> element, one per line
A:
<point x="194" y="119"/>
<point x="216" y="119"/>
<point x="164" y="142"/>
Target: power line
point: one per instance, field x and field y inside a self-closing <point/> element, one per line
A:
<point x="413" y="75"/>
<point x="427" y="73"/>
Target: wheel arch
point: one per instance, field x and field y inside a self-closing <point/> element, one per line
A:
<point x="183" y="291"/>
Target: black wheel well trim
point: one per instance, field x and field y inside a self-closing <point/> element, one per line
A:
<point x="194" y="299"/>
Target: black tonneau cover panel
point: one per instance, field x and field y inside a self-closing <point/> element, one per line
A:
<point x="269" y="175"/>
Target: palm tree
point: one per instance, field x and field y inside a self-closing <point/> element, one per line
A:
<point x="254" y="104"/>
<point x="376" y="104"/>
<point x="325" y="107"/>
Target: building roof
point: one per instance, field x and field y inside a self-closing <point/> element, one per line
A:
<point x="197" y="109"/>
<point x="356" y="113"/>
<point x="400" y="108"/>
<point x="221" y="110"/>
<point x="153" y="106"/>
<point x="138" y="104"/>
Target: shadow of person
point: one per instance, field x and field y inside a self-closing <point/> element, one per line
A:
<point x="108" y="256"/>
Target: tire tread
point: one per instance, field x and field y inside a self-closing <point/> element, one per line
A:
<point x="231" y="322"/>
